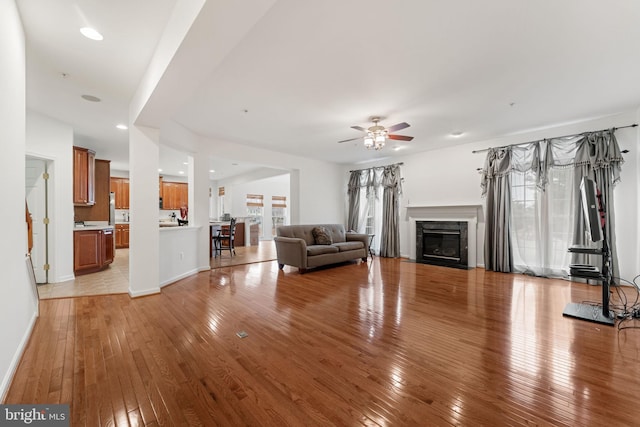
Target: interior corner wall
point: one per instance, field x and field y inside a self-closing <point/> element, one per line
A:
<point x="635" y="153"/>
<point x="50" y="139"/>
<point x="18" y="301"/>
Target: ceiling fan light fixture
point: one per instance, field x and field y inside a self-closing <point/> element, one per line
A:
<point x="376" y="136"/>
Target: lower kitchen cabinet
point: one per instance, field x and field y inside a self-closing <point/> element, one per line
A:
<point x="122" y="236"/>
<point x="93" y="250"/>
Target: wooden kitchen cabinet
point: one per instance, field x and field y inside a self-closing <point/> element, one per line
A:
<point x="93" y="250"/>
<point x="120" y="186"/>
<point x="122" y="236"/>
<point x="99" y="211"/>
<point x="254" y="234"/>
<point x="174" y="195"/>
<point x="109" y="247"/>
<point x="83" y="176"/>
<point x="238" y="239"/>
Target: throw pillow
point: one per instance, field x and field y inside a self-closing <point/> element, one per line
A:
<point x="321" y="236"/>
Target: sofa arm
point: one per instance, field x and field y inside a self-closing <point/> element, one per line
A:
<point x="291" y="251"/>
<point x="364" y="238"/>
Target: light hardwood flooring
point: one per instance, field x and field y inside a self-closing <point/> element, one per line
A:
<point x="115" y="279"/>
<point x="387" y="343"/>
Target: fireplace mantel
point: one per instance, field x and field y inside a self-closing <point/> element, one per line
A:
<point x="454" y="212"/>
<point x="465" y="211"/>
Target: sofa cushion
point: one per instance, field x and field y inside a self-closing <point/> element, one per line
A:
<point x="321" y="249"/>
<point x="349" y="246"/>
<point x="321" y="236"/>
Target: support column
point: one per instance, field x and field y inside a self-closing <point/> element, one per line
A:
<point x="144" y="234"/>
<point x="199" y="186"/>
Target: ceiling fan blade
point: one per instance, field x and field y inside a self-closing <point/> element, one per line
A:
<point x="360" y="128"/>
<point x="397" y="127"/>
<point x="400" y="137"/>
<point x="351" y="139"/>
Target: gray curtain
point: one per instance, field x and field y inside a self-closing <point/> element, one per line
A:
<point x="390" y="235"/>
<point x="595" y="155"/>
<point x="496" y="186"/>
<point x="598" y="157"/>
<point x="353" y="190"/>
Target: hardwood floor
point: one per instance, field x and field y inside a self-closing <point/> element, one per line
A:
<point x="264" y="251"/>
<point x="387" y="342"/>
<point x="115" y="279"/>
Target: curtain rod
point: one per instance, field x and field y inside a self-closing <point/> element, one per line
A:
<point x="555" y="137"/>
<point x="366" y="169"/>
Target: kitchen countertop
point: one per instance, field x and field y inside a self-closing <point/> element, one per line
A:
<point x="168" y="224"/>
<point x="92" y="227"/>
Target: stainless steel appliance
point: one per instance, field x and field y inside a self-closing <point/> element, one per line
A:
<point x="112" y="208"/>
<point x="112" y="216"/>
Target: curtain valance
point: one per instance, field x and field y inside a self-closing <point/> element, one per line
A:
<point x="599" y="150"/>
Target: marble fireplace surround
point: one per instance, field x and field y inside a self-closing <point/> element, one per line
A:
<point x="470" y="214"/>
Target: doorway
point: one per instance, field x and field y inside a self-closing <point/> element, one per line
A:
<point x="36" y="191"/>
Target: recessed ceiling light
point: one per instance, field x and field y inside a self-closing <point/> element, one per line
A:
<point x="457" y="133"/>
<point x="185" y="163"/>
<point x="211" y="171"/>
<point x="122" y="127"/>
<point x="159" y="170"/>
<point x="181" y="172"/>
<point x="91" y="98"/>
<point x="91" y="33"/>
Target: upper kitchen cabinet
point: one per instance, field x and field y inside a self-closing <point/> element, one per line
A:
<point x="99" y="211"/>
<point x="83" y="176"/>
<point x="120" y="186"/>
<point x="174" y="194"/>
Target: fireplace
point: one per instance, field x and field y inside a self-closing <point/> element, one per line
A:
<point x="442" y="243"/>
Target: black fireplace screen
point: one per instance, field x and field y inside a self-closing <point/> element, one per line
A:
<point x="442" y="243"/>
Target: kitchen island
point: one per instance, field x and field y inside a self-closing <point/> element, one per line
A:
<point x="93" y="247"/>
<point x="245" y="228"/>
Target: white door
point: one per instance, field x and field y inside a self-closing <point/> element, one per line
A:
<point x="36" y="200"/>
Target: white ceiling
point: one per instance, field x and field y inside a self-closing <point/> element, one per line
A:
<point x="306" y="71"/>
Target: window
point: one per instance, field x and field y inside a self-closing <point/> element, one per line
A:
<point x="278" y="212"/>
<point x="221" y="202"/>
<point x="255" y="209"/>
<point x="542" y="222"/>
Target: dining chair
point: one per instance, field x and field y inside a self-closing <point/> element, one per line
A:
<point x="225" y="239"/>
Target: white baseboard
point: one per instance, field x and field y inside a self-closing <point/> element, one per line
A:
<point x="6" y="381"/>
<point x="179" y="277"/>
<point x="150" y="291"/>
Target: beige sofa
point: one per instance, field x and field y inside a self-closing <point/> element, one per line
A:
<point x="296" y="246"/>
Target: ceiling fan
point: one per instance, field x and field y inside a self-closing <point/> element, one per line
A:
<point x="377" y="135"/>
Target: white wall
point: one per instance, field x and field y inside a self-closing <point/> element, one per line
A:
<point x="18" y="303"/>
<point x="315" y="186"/>
<point x="449" y="176"/>
<point x="179" y="253"/>
<point x="50" y="139"/>
<point x="273" y="186"/>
